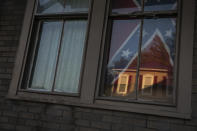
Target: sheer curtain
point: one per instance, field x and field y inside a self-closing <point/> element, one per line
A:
<point x="45" y="61"/>
<point x="69" y="66"/>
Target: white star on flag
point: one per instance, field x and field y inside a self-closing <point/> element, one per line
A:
<point x="168" y="33"/>
<point x="126" y="53"/>
<point x="145" y="33"/>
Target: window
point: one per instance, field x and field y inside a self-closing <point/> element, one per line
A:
<point x="57" y="46"/>
<point x="122" y="85"/>
<point x="147" y="84"/>
<point x="142" y="38"/>
<point x="132" y="55"/>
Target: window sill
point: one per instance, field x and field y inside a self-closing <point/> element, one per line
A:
<point x="159" y="110"/>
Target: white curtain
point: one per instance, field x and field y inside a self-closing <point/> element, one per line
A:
<point x="44" y="69"/>
<point x="69" y="66"/>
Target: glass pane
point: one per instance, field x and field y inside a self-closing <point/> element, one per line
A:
<point x="45" y="61"/>
<point x="76" y="6"/>
<point x="70" y="60"/>
<point x="120" y="74"/>
<point x="125" y="6"/>
<point x="157" y="60"/>
<point x="50" y="6"/>
<point x="60" y="6"/>
<point x="32" y="46"/>
<point x="157" y="5"/>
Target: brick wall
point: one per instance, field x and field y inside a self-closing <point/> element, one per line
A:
<point x="28" y="116"/>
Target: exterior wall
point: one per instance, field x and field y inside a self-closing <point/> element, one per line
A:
<point x="28" y="116"/>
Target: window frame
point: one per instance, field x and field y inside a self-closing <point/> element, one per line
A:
<point x="93" y="61"/>
<point x="140" y="16"/>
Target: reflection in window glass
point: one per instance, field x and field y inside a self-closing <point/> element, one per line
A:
<point x="158" y="5"/>
<point x="44" y="68"/>
<point x="50" y="6"/>
<point x="157" y="60"/>
<point x="123" y="51"/>
<point x="60" y="6"/>
<point x="147" y="84"/>
<point x="76" y="5"/>
<point x="122" y="84"/>
<point x="125" y="6"/>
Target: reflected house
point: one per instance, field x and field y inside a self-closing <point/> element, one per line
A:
<point x="155" y="73"/>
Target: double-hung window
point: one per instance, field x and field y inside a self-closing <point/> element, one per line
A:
<point x="56" y="46"/>
<point x="127" y="55"/>
<point x="143" y="45"/>
<point x="59" y="46"/>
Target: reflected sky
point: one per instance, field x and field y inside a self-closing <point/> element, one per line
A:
<point x="60" y="6"/>
<point x="129" y="6"/>
<point x="125" y="6"/>
<point x="159" y="5"/>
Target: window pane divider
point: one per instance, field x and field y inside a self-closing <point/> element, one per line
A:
<point x="139" y="59"/>
<point x="63" y="15"/>
<point x="145" y="15"/>
<point x="139" y="55"/>
<point x="63" y="18"/>
<point x="58" y="55"/>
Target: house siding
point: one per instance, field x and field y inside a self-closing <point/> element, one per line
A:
<point x="30" y="116"/>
